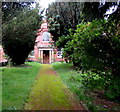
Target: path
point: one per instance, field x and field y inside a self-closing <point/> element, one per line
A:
<point x="49" y="93"/>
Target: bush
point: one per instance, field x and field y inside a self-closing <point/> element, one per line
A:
<point x="108" y="83"/>
<point x="113" y="88"/>
<point x="95" y="48"/>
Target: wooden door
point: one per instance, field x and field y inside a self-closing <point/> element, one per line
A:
<point x="45" y="56"/>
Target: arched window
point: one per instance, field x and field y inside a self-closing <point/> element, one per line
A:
<point x="46" y="36"/>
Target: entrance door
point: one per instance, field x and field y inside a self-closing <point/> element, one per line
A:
<point x="45" y="56"/>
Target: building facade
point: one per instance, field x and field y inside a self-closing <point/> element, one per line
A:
<point x="3" y="60"/>
<point x="44" y="50"/>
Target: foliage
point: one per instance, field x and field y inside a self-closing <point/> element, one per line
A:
<point x="102" y="81"/>
<point x="11" y="9"/>
<point x="96" y="10"/>
<point x="93" y="81"/>
<point x="64" y="39"/>
<point x="19" y="34"/>
<point x="74" y="81"/>
<point x="62" y="16"/>
<point x="54" y="27"/>
<point x="16" y="85"/>
<point x="65" y="15"/>
<point x="95" y="47"/>
<point x="85" y="84"/>
<point x="40" y="59"/>
<point x="113" y="88"/>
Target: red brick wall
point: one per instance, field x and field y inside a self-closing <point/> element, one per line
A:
<point x="2" y="58"/>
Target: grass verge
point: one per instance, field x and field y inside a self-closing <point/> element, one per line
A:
<point x="73" y="81"/>
<point x="16" y="85"/>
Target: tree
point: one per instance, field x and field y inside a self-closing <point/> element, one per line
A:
<point x="19" y="33"/>
<point x="62" y="16"/>
<point x="95" y="10"/>
<point x="11" y="9"/>
<point x="95" y="49"/>
<point x="96" y="46"/>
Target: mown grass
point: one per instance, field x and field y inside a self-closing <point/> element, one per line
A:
<point x="16" y="85"/>
<point x="70" y="78"/>
<point x="48" y="92"/>
<point x="73" y="80"/>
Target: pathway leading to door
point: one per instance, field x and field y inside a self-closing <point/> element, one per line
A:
<point x="49" y="93"/>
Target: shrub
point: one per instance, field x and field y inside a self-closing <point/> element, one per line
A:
<point x="102" y="81"/>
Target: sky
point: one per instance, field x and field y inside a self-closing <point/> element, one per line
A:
<point x="45" y="3"/>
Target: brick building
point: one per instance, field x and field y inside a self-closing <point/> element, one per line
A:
<point x="44" y="51"/>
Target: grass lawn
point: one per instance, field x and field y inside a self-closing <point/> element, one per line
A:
<point x="16" y="85"/>
<point x="70" y="78"/>
<point x="73" y="81"/>
<point x="48" y="92"/>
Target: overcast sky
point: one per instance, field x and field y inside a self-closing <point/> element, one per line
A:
<point x="45" y="3"/>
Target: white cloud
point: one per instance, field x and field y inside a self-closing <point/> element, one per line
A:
<point x="44" y="4"/>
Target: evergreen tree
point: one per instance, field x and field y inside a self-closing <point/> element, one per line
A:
<point x="20" y="23"/>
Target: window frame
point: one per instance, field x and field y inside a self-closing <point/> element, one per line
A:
<point x="48" y="38"/>
<point x="59" y="55"/>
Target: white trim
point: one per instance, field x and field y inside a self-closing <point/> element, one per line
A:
<point x="52" y="56"/>
<point x="59" y="56"/>
<point x="46" y="41"/>
<point x="39" y="54"/>
<point x="42" y="56"/>
<point x="44" y="46"/>
<point x="45" y="49"/>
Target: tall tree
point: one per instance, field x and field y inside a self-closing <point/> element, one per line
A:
<point x="11" y="9"/>
<point x="19" y="31"/>
<point x="96" y="44"/>
<point x="63" y="16"/>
